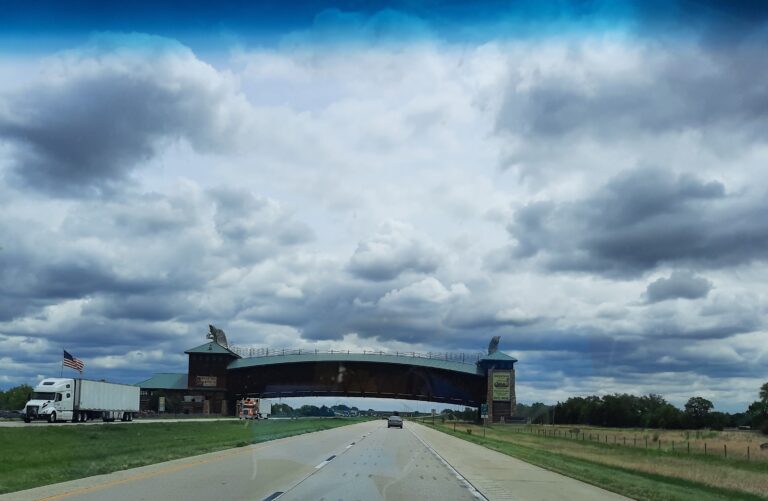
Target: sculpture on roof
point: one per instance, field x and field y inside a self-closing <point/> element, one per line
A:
<point x="493" y="346"/>
<point x="217" y="335"/>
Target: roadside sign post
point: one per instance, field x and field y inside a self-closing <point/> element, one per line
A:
<point x="484" y="416"/>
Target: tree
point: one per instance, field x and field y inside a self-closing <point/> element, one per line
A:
<point x="697" y="410"/>
<point x="757" y="413"/>
<point x="15" y="398"/>
<point x="282" y="410"/>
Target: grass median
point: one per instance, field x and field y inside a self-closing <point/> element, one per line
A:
<point x="32" y="456"/>
<point x="644" y="474"/>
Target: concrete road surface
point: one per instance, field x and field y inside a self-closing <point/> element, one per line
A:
<point x="364" y="461"/>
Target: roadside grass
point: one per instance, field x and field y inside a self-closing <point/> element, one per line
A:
<point x="645" y="474"/>
<point x="32" y="456"/>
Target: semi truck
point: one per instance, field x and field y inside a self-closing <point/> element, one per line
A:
<point x="254" y="408"/>
<point x="80" y="400"/>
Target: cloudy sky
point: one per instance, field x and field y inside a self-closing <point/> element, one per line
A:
<point x="586" y="180"/>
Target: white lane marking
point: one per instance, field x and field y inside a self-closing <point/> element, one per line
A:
<point x="458" y="475"/>
<point x="325" y="462"/>
<point x="317" y="468"/>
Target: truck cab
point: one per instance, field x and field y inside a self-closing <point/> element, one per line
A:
<point x="52" y="399"/>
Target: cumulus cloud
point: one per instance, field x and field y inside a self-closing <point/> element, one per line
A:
<point x="98" y="112"/>
<point x="601" y="90"/>
<point x="255" y="227"/>
<point x="641" y="219"/>
<point x="680" y="284"/>
<point x="396" y="248"/>
<point x="421" y="294"/>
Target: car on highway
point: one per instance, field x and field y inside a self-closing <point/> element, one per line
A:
<point x="395" y="422"/>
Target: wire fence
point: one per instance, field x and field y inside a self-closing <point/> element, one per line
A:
<point x="252" y="352"/>
<point x="723" y="448"/>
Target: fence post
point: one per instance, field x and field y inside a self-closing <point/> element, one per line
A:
<point x="625" y="440"/>
<point x="689" y="447"/>
<point x="747" y="453"/>
<point x="705" y="448"/>
<point x="673" y="446"/>
<point x="635" y="441"/>
<point x="646" y="443"/>
<point x="725" y="450"/>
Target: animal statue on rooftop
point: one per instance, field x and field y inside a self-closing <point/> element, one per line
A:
<point x="217" y="335"/>
<point x="493" y="346"/>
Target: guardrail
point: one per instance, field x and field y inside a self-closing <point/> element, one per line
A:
<point x="247" y="352"/>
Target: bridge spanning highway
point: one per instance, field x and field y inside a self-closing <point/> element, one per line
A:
<point x="365" y="461"/>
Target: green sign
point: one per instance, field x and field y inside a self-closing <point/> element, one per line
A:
<point x="483" y="411"/>
<point x="500" y="383"/>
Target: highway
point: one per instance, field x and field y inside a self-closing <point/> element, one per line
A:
<point x="365" y="461"/>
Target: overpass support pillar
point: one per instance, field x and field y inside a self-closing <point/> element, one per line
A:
<point x="501" y="396"/>
<point x="500" y="377"/>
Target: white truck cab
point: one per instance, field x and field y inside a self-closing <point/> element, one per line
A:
<point x="52" y="399"/>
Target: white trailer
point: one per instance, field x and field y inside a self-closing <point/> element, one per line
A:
<point x="79" y="400"/>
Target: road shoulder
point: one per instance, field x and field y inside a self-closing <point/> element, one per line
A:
<point x="499" y="477"/>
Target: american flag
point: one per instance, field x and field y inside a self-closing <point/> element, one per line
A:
<point x="73" y="363"/>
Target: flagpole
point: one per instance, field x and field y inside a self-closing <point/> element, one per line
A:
<point x="61" y="374"/>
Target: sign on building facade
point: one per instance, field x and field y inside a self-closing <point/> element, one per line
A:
<point x="501" y="386"/>
<point x="206" y="381"/>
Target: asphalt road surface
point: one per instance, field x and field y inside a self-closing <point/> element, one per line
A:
<point x="365" y="461"/>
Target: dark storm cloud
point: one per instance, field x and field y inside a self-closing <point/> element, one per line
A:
<point x="668" y="88"/>
<point x="422" y="312"/>
<point x="395" y="249"/>
<point x="38" y="268"/>
<point x="684" y="285"/>
<point x="85" y="127"/>
<point x="141" y="307"/>
<point x="147" y="257"/>
<point x="478" y="317"/>
<point x="639" y="220"/>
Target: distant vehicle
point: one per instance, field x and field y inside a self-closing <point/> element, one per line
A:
<point x="10" y="414"/>
<point x="395" y="422"/>
<point x="254" y="408"/>
<point x="80" y="400"/>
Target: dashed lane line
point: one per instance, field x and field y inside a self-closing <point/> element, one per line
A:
<point x="277" y="495"/>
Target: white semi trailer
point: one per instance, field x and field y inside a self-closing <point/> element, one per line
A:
<point x="79" y="400"/>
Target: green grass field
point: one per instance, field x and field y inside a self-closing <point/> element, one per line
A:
<point x="32" y="456"/>
<point x="645" y="474"/>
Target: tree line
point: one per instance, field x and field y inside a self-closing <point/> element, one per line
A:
<point x="622" y="410"/>
<point x="15" y="398"/>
